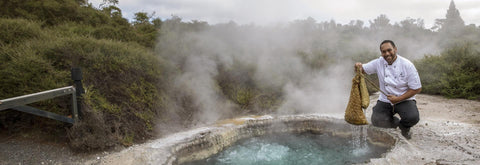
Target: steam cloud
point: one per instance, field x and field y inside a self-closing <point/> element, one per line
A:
<point x="273" y="51"/>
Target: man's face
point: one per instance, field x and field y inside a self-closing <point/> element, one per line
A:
<point x="389" y="53"/>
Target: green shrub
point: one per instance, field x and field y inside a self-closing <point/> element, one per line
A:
<point x="237" y="84"/>
<point x="114" y="33"/>
<point x="71" y="28"/>
<point x="41" y="41"/>
<point x="316" y="60"/>
<point x="15" y="31"/>
<point x="124" y="80"/>
<point x="25" y="72"/>
<point x="455" y="73"/>
<point x="432" y="69"/>
<point x="146" y="34"/>
<point x="50" y="11"/>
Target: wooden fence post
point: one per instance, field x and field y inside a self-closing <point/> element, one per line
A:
<point x="77" y="80"/>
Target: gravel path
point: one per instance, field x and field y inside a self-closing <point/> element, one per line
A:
<point x="29" y="152"/>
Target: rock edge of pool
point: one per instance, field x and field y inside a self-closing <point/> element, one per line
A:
<point x="203" y="142"/>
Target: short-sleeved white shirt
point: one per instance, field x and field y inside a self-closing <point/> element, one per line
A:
<point x="394" y="79"/>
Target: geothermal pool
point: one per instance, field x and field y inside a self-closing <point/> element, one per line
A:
<point x="300" y="149"/>
<point x="293" y="139"/>
<point x="290" y="139"/>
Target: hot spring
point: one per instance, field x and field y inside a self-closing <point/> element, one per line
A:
<point x="300" y="149"/>
<point x="301" y="139"/>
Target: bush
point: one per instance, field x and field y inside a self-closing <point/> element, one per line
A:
<point x="237" y="84"/>
<point x="455" y="73"/>
<point x="49" y="11"/>
<point x="22" y="70"/>
<point x="41" y="41"/>
<point x="124" y="80"/>
<point x="18" y="30"/>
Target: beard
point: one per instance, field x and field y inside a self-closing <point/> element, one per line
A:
<point x="390" y="58"/>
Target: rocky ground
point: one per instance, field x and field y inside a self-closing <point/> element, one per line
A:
<point x="447" y="133"/>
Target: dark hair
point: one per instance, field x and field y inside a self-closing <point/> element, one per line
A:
<point x="387" y="41"/>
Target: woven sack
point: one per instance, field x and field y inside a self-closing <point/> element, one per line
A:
<point x="358" y="98"/>
<point x="364" y="92"/>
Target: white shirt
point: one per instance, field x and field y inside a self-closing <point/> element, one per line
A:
<point x="394" y="79"/>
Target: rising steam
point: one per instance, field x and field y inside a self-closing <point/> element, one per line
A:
<point x="273" y="51"/>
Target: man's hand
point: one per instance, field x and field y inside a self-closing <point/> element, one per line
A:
<point x="410" y="92"/>
<point x="394" y="99"/>
<point x="358" y="65"/>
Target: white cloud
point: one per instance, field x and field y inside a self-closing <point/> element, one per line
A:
<point x="270" y="11"/>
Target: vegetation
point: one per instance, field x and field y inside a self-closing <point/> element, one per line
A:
<point x="41" y="41"/>
<point x="456" y="72"/>
<point x="148" y="76"/>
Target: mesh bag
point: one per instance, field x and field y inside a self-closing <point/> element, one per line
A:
<point x="359" y="99"/>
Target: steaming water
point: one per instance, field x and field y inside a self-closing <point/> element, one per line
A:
<point x="300" y="149"/>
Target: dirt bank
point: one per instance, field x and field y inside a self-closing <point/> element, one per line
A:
<point x="446" y="134"/>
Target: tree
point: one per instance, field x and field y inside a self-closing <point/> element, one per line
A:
<point x="113" y="11"/>
<point x="452" y="22"/>
<point x="411" y="23"/>
<point x="381" y="22"/>
<point x="107" y="3"/>
<point x="141" y="18"/>
<point x="358" y="24"/>
<point x="306" y="26"/>
<point x="146" y="31"/>
<point x="453" y="17"/>
<point x="157" y="22"/>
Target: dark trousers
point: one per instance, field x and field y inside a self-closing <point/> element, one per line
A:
<point x="382" y="115"/>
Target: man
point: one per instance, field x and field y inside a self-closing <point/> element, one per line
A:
<point x="399" y="80"/>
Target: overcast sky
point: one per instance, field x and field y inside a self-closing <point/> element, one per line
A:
<point x="263" y="12"/>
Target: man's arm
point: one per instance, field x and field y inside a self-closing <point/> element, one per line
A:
<point x="410" y="92"/>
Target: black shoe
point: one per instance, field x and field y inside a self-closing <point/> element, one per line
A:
<point x="405" y="132"/>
